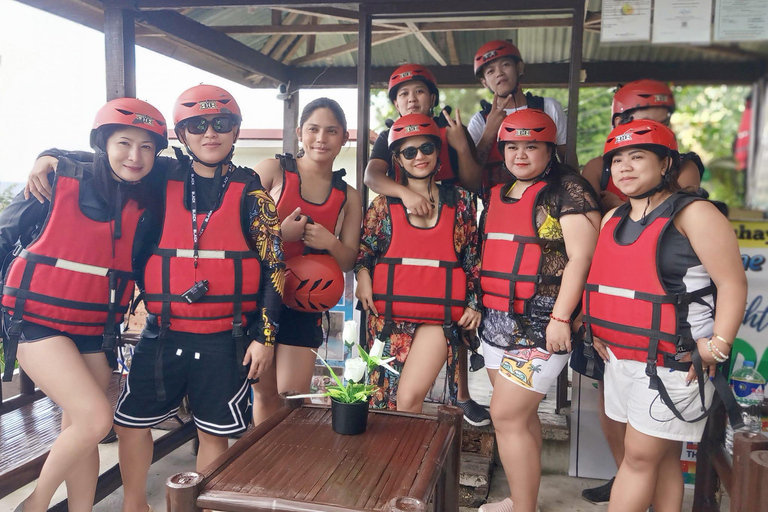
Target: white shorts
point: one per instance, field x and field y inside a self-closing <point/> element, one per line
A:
<point x="532" y="368"/>
<point x="492" y="356"/>
<point x="629" y="400"/>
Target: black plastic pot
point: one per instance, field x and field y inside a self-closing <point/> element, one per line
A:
<point x="349" y="419"/>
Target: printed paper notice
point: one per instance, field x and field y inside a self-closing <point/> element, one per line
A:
<point x="682" y="21"/>
<point x="625" y="20"/>
<point x="741" y="20"/>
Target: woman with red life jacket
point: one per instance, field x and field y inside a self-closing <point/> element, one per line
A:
<point x="319" y="213"/>
<point x="417" y="275"/>
<point x="537" y="240"/>
<point x="70" y="281"/>
<point x="683" y="301"/>
<point x="213" y="288"/>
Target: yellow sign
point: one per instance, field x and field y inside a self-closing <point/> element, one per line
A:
<point x="750" y="233"/>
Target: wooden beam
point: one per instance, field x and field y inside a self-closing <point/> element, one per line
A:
<point x="290" y="123"/>
<point x="376" y="6"/>
<point x="574" y="78"/>
<point x="364" y="39"/>
<point x="476" y="25"/>
<point x="427" y="43"/>
<point x="205" y="39"/>
<point x="120" y="53"/>
<point x="273" y="40"/>
<point x="345" y="48"/>
<point x="304" y="29"/>
<point x="311" y="40"/>
<point x="277" y="17"/>
<point x="338" y="14"/>
<point x="453" y="55"/>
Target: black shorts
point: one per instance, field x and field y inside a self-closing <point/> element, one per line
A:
<point x="202" y="367"/>
<point x="579" y="362"/>
<point x="32" y="332"/>
<point x="300" y="329"/>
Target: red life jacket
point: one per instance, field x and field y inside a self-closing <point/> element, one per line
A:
<point x="326" y="213"/>
<point x="625" y="301"/>
<point x="511" y="261"/>
<point x="232" y="269"/>
<point x="419" y="278"/>
<point x="71" y="277"/>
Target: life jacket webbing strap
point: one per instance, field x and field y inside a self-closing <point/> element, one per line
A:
<point x="639" y="331"/>
<point x="24" y="295"/>
<point x="14" y="330"/>
<point x="74" y="266"/>
<point x="434" y="301"/>
<point x="205" y="254"/>
<point x="420" y="262"/>
<point x="165" y="325"/>
<point x="205" y="299"/>
<point x="672" y="298"/>
<point x="64" y="322"/>
<point x="237" y="318"/>
<point x="508" y="276"/>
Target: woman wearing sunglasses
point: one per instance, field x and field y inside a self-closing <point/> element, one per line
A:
<point x="307" y="188"/>
<point x="69" y="284"/>
<point x="213" y="284"/>
<point x="417" y="274"/>
<point x="539" y="233"/>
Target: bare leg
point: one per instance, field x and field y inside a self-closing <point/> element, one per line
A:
<point x="426" y="357"/>
<point x="492" y="375"/>
<point x="265" y="398"/>
<point x="613" y="431"/>
<point x="295" y="367"/>
<point x="636" y="480"/>
<point x="668" y="496"/>
<point x="135" y="449"/>
<point x="60" y="371"/>
<point x="514" y="410"/>
<point x="210" y="448"/>
<point x="81" y="480"/>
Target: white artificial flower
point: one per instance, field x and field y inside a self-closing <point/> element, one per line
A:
<point x="350" y="332"/>
<point x="354" y="369"/>
<point x="377" y="349"/>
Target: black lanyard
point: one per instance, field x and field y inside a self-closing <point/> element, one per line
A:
<point x="197" y="234"/>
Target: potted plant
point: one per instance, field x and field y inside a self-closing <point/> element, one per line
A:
<point x="349" y="402"/>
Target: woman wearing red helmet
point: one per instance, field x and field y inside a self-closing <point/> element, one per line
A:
<point x="68" y="285"/>
<point x="319" y="213"/>
<point x="538" y="235"/>
<point x="687" y="283"/>
<point x="417" y="325"/>
<point x="213" y="284"/>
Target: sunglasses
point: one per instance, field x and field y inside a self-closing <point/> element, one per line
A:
<point x="410" y="152"/>
<point x="199" y="125"/>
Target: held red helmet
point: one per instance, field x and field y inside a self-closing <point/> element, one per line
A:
<point x="408" y="72"/>
<point x="411" y="125"/>
<point x="204" y="99"/>
<point x="642" y="94"/>
<point x="642" y="132"/>
<point x="528" y="125"/>
<point x="132" y="112"/>
<point x="493" y="50"/>
<point x="313" y="283"/>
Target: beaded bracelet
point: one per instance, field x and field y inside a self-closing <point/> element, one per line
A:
<point x="722" y="339"/>
<point x="717" y="350"/>
<point x="718" y="359"/>
<point x="561" y="320"/>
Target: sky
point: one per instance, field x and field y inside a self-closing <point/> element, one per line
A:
<point x="52" y="82"/>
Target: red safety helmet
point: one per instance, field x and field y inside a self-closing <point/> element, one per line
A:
<point x="642" y="132"/>
<point x="204" y="99"/>
<point x="132" y="112"/>
<point x="642" y="94"/>
<point x="493" y="50"/>
<point x="313" y="283"/>
<point x="408" y="72"/>
<point x="411" y="125"/>
<point x="529" y="125"/>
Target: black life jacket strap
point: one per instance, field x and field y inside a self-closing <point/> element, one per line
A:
<point x="14" y="330"/>
<point x="238" y="335"/>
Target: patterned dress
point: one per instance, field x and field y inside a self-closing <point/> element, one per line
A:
<point x="377" y="234"/>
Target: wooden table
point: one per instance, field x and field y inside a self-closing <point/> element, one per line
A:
<point x="294" y="462"/>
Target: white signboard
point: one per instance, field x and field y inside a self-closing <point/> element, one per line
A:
<point x="682" y="21"/>
<point x="741" y="20"/>
<point x="625" y="21"/>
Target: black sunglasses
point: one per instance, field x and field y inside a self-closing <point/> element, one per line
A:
<point x="410" y="152"/>
<point x="198" y="125"/>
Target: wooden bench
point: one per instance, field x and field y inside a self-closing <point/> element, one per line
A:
<point x="744" y="475"/>
<point x="30" y="423"/>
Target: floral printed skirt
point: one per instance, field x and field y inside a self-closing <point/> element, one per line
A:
<point x="398" y="345"/>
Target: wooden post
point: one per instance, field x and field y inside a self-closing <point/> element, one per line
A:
<point x="743" y="446"/>
<point x="120" y="47"/>
<point x="26" y="384"/>
<point x="446" y="494"/>
<point x="290" y="123"/>
<point x="363" y="97"/>
<point x="574" y="80"/>
<point x="757" y="496"/>
<point x="181" y="492"/>
<point x="405" y="504"/>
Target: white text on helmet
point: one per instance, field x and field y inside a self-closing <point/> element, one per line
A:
<point x="661" y="97"/>
<point x="624" y="137"/>
<point x="208" y="104"/>
<point x="411" y="128"/>
<point x="488" y="55"/>
<point x="143" y="119"/>
<point x="522" y="132"/>
<point x="405" y="74"/>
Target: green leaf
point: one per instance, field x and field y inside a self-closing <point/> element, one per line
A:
<point x="333" y="374"/>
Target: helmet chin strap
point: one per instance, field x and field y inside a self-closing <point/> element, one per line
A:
<point x="207" y="164"/>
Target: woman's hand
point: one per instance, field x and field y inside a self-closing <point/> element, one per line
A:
<point x="292" y="228"/>
<point x="317" y="237"/>
<point x="708" y="363"/>
<point x="37" y="182"/>
<point x="558" y="337"/>
<point x="260" y="358"/>
<point x="601" y="348"/>
<point x="470" y="319"/>
<point x="364" y="292"/>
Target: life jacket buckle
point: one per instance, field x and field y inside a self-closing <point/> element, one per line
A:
<point x="237" y="329"/>
<point x="17" y="250"/>
<point x="14" y="330"/>
<point x="109" y="341"/>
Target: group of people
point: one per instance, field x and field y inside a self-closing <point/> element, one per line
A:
<point x="648" y="300"/>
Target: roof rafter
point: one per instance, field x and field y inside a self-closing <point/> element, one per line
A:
<point x="427" y="43"/>
<point x="345" y="48"/>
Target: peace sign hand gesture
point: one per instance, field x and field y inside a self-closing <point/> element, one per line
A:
<point x="454" y="131"/>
